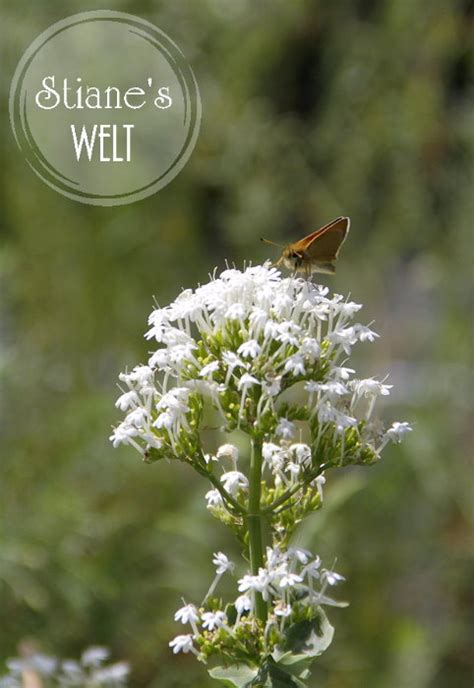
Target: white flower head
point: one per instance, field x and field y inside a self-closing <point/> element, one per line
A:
<point x="398" y="430"/>
<point x="222" y="563"/>
<point x="114" y="674"/>
<point x="209" y="369"/>
<point x="285" y="429"/>
<point x="249" y="349"/>
<point x="233" y="481"/>
<point x="246" y="381"/>
<point x="94" y="656"/>
<point x="228" y="451"/>
<point x="243" y="603"/>
<point x="331" y="577"/>
<point x="213" y="620"/>
<point x="301" y="453"/>
<point x="182" y="643"/>
<point x="127" y="400"/>
<point x="187" y="614"/>
<point x="214" y="499"/>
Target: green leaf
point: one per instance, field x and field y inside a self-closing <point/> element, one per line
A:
<point x="240" y="676"/>
<point x="306" y="639"/>
<point x="272" y="675"/>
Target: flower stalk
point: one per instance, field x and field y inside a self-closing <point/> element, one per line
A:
<point x="254" y="520"/>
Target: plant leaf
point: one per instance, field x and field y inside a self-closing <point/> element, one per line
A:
<point x="306" y="639"/>
<point x="272" y="675"/>
<point x="238" y="676"/>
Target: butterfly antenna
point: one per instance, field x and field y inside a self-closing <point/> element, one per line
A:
<point x="273" y="243"/>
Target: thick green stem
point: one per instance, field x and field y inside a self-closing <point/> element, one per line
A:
<point x="254" y="521"/>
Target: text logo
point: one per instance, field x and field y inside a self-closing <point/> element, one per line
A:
<point x="105" y="108"/>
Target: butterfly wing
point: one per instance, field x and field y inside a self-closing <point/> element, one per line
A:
<point x="323" y="245"/>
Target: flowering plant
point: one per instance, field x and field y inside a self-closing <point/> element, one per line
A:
<point x="44" y="671"/>
<point x="267" y="356"/>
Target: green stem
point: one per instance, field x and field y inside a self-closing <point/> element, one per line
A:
<point x="289" y="493"/>
<point x="254" y="522"/>
<point x="231" y="504"/>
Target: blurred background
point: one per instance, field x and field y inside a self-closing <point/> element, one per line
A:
<point x="310" y="110"/>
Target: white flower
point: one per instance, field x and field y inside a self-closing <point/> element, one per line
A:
<point x="113" y="674"/>
<point x="329" y="414"/>
<point x="346" y="337"/>
<point x="141" y="376"/>
<point x="213" y="498"/>
<point x="295" y="365"/>
<point x="302" y="453"/>
<point x="261" y="583"/>
<point x="286" y="332"/>
<point x="94" y="656"/>
<point x="247" y="381"/>
<point x="232" y="360"/>
<point x="248" y="582"/>
<point x="228" y="451"/>
<point x="312" y="386"/>
<point x="331" y="577"/>
<point x="349" y="308"/>
<point x="342" y="373"/>
<point x="249" y="349"/>
<point x="41" y="664"/>
<point x="236" y="311"/>
<point x="289" y="580"/>
<point x="127" y="400"/>
<point x="222" y="563"/>
<point x="397" y="431"/>
<point x="209" y="369"/>
<point x="334" y="389"/>
<point x="258" y="318"/>
<point x="213" y="620"/>
<point x="187" y="614"/>
<point x="69" y="666"/>
<point x="123" y="434"/>
<point x="182" y="643"/>
<point x="319" y="481"/>
<point x="272" y="386"/>
<point x="365" y="334"/>
<point x="186" y="305"/>
<point x="176" y="400"/>
<point x="138" y="417"/>
<point x="282" y="609"/>
<point x="293" y="468"/>
<point x="310" y="348"/>
<point x="233" y="481"/>
<point x="273" y="456"/>
<point x="370" y="387"/>
<point x="300" y="555"/>
<point x="242" y="604"/>
<point x="164" y="420"/>
<point x="285" y="429"/>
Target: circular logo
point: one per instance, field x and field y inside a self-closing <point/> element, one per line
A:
<point x="105" y="108"/>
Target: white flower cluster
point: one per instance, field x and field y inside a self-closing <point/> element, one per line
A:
<point x="269" y="355"/>
<point x="239" y="342"/>
<point x="90" y="670"/>
<point x="292" y="582"/>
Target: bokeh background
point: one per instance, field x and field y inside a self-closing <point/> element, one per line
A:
<point x="310" y="110"/>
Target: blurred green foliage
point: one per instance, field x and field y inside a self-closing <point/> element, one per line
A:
<point x="310" y="110"/>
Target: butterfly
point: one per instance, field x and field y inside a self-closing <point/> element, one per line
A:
<point x="318" y="251"/>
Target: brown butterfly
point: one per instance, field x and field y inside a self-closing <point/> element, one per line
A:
<point x="318" y="251"/>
